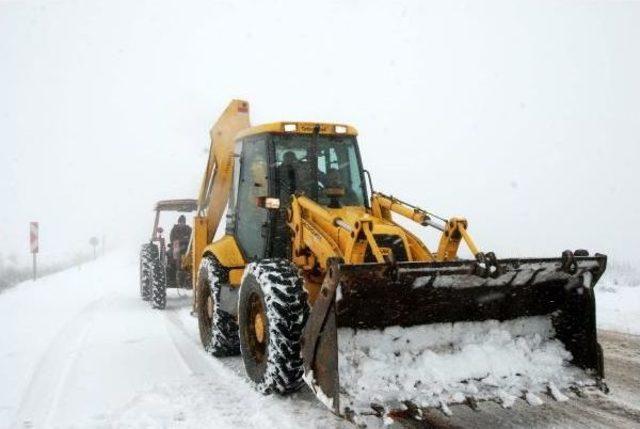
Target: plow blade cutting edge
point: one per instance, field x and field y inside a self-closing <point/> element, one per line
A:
<point x="374" y="298"/>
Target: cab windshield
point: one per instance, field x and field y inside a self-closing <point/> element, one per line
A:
<point x="326" y="168"/>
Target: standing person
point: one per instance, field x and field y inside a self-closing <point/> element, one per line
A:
<point x="178" y="244"/>
<point x="180" y="232"/>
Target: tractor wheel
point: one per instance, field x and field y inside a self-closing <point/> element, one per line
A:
<point x="145" y="272"/>
<point x="158" y="281"/>
<point x="183" y="279"/>
<point x="218" y="328"/>
<point x="272" y="311"/>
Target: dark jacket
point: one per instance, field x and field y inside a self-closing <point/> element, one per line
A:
<point x="180" y="232"/>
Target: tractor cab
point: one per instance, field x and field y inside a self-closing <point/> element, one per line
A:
<point x="157" y="235"/>
<point x="276" y="161"/>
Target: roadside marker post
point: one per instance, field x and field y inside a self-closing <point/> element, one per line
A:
<point x="34" y="245"/>
<point x="93" y="241"/>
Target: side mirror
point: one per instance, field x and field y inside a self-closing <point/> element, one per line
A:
<point x="269" y="203"/>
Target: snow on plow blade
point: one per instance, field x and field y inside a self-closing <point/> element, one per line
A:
<point x="538" y="311"/>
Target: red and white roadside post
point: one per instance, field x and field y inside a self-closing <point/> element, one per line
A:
<point x="33" y="242"/>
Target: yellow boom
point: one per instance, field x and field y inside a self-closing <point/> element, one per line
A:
<point x="216" y="181"/>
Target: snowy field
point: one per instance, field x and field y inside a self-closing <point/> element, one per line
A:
<point x="80" y="349"/>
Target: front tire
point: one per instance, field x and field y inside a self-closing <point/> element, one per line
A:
<point x="145" y="272"/>
<point x="272" y="312"/>
<point x="158" y="281"/>
<point x="218" y="329"/>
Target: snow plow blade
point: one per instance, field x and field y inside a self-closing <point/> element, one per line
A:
<point x="373" y="297"/>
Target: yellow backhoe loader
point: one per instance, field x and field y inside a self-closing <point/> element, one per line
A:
<point x="312" y="266"/>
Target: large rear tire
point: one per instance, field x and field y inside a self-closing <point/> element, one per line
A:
<point x="158" y="281"/>
<point x="272" y="311"/>
<point x="218" y="329"/>
<point x="145" y="272"/>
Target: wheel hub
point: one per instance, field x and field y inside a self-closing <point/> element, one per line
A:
<point x="210" y="307"/>
<point x="258" y="326"/>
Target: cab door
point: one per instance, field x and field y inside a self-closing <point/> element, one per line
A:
<point x="251" y="220"/>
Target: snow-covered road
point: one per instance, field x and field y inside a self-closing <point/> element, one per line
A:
<point x="80" y="349"/>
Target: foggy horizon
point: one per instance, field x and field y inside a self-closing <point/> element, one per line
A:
<point x="522" y="117"/>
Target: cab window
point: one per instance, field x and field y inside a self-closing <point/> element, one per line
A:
<point x="324" y="168"/>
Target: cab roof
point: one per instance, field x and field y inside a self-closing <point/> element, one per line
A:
<point x="294" y="127"/>
<point x="184" y="205"/>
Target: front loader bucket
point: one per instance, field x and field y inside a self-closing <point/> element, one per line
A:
<point x="451" y="297"/>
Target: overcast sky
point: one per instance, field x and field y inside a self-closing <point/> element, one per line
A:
<point x="522" y="116"/>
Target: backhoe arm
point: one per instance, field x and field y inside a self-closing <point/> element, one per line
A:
<point x="216" y="182"/>
<point x="217" y="179"/>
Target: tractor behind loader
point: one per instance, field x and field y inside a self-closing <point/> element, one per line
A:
<point x="312" y="263"/>
<point x="160" y="262"/>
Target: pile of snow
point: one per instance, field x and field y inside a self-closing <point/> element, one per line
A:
<point x="440" y="364"/>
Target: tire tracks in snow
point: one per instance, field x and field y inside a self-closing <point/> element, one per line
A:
<point x="41" y="398"/>
<point x="232" y="390"/>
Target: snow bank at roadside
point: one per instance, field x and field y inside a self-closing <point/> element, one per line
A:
<point x="40" y="321"/>
<point x="444" y="363"/>
<point x="618" y="299"/>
